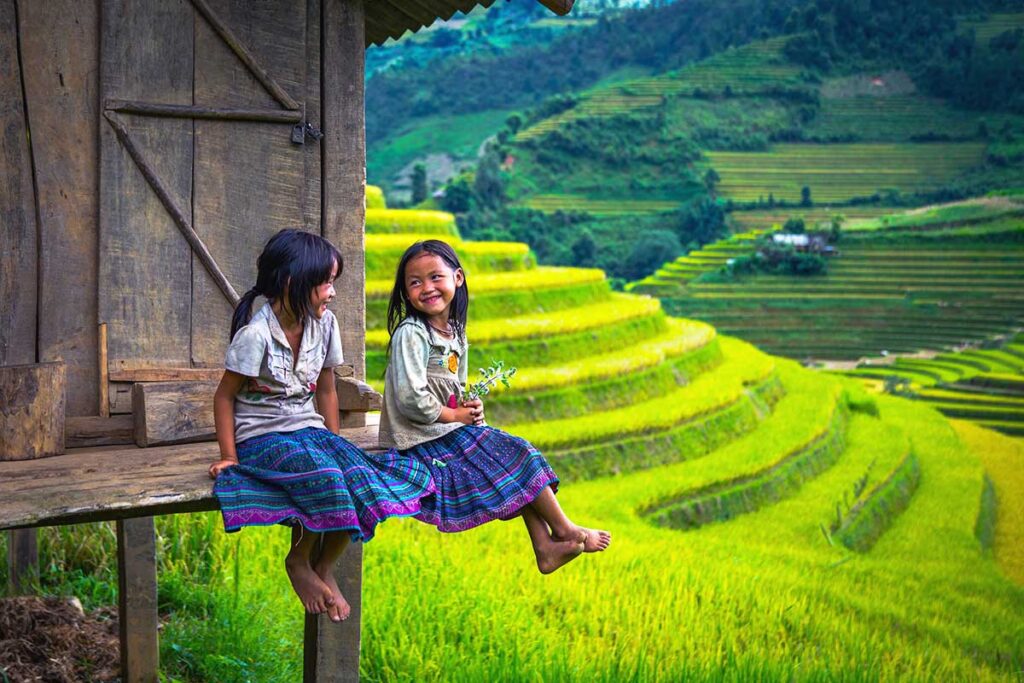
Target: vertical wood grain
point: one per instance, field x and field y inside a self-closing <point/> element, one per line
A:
<point x="145" y="263"/>
<point x="18" y="229"/>
<point x="62" y="97"/>
<point x="137" y="600"/>
<point x="344" y="166"/>
<point x="250" y="179"/>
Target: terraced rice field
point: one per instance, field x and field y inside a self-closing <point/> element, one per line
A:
<point x="839" y="173"/>
<point x="549" y="203"/>
<point x="765" y="219"/>
<point x="676" y="274"/>
<point x="985" y="386"/>
<point x="878" y="298"/>
<point x="895" y="118"/>
<point x="770" y="523"/>
<point x="986" y="30"/>
<point x="751" y="69"/>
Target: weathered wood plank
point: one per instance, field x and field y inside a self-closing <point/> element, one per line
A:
<point x="62" y="95"/>
<point x="344" y="166"/>
<point x="95" y="484"/>
<point x="32" y="419"/>
<point x="336" y="655"/>
<point x="173" y="412"/>
<point x="137" y="600"/>
<point x="145" y="263"/>
<point x="332" y="650"/>
<point x="311" y="153"/>
<point x="18" y="237"/>
<point x="83" y="432"/>
<point x="167" y="375"/>
<point x="22" y="560"/>
<point x="250" y="179"/>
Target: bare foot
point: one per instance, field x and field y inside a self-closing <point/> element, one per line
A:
<point x="593" y="540"/>
<point x="315" y="595"/>
<point x="339" y="609"/>
<point x="555" y="554"/>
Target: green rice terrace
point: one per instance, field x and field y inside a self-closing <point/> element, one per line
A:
<point x="928" y="279"/>
<point x="771" y="522"/>
<point x="859" y="144"/>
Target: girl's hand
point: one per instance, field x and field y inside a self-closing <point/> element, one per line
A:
<point x="476" y="409"/>
<point x="221" y="465"/>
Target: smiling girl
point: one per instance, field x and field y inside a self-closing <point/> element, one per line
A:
<point x="276" y="414"/>
<point x="480" y="473"/>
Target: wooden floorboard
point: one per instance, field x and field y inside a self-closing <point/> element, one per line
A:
<point x="119" y="482"/>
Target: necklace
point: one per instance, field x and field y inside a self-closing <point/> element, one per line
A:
<point x="447" y="331"/>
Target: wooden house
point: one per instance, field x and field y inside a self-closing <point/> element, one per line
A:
<point x="148" y="150"/>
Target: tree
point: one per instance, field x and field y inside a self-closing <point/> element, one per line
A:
<point x="419" y="183"/>
<point x="805" y="196"/>
<point x="514" y="123"/>
<point x="711" y="179"/>
<point x="489" y="186"/>
<point x="795" y="226"/>
<point x="702" y="222"/>
<point x="650" y="252"/>
<point x="457" y="195"/>
<point x="836" y="231"/>
<point x="584" y="250"/>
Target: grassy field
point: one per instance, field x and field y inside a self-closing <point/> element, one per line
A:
<point x="838" y="173"/>
<point x="770" y="523"/>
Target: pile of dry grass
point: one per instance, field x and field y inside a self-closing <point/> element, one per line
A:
<point x="52" y="640"/>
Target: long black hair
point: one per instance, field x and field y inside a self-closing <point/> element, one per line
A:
<point x="293" y="263"/>
<point x="399" y="307"/>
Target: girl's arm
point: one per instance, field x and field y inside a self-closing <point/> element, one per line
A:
<point x="327" y="400"/>
<point x="224" y="420"/>
<point x="407" y="370"/>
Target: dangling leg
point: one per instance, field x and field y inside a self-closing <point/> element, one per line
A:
<point x="551" y="554"/>
<point x="562" y="529"/>
<point x="312" y="591"/>
<point x="335" y="543"/>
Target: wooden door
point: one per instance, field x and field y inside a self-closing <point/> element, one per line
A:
<point x="198" y="167"/>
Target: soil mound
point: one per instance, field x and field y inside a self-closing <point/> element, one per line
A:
<point x="53" y="640"/>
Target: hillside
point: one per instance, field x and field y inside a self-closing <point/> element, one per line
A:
<point x="765" y="111"/>
<point x="771" y="522"/>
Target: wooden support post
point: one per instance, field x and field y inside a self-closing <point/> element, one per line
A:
<point x="22" y="560"/>
<point x="344" y="166"/>
<point x="332" y="650"/>
<point x="136" y="600"/>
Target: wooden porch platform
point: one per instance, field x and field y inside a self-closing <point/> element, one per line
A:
<point x="117" y="482"/>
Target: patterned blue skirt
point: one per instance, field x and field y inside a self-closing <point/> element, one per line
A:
<point x="318" y="479"/>
<point x="481" y="474"/>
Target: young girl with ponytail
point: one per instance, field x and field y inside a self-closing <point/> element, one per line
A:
<point x="276" y="415"/>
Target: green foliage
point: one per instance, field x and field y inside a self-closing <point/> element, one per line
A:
<point x="489" y="376"/>
<point x="419" y="183"/>
<point x="651" y="250"/>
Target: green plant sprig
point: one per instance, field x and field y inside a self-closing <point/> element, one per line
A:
<point x="490" y="375"/>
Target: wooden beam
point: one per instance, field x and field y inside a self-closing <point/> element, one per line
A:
<point x="331" y="651"/>
<point x="173" y="412"/>
<point x="61" y="77"/>
<point x="83" y="432"/>
<point x="137" y="600"/>
<point x="180" y="219"/>
<point x="18" y="231"/>
<point x="158" y="374"/>
<point x="184" y="111"/>
<point x="22" y="560"/>
<point x="344" y="167"/>
<point x="245" y="55"/>
<point x="32" y="419"/>
<point x="117" y="482"/>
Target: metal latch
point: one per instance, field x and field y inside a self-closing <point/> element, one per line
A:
<point x="303" y="130"/>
